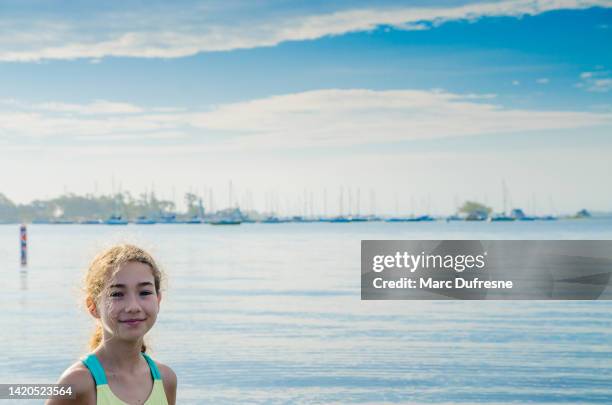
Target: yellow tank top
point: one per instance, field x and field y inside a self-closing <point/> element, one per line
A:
<point x="104" y="395"/>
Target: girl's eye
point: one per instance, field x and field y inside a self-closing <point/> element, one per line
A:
<point x="146" y="292"/>
<point x="116" y="294"/>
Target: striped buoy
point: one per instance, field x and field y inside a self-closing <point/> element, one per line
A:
<point x="23" y="232"/>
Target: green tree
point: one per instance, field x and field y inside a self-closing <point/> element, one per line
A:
<point x="475" y="208"/>
<point x="191" y="201"/>
<point x="8" y="210"/>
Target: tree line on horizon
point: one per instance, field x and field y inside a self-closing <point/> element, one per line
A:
<point x="75" y="207"/>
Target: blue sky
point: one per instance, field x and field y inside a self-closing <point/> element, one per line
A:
<point x="425" y="103"/>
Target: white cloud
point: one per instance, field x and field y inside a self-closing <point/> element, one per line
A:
<point x="601" y="85"/>
<point x="96" y="107"/>
<point x="166" y="35"/>
<point x="515" y="82"/>
<point x="321" y="118"/>
<point x="350" y="117"/>
<point x="599" y="81"/>
<point x="543" y="80"/>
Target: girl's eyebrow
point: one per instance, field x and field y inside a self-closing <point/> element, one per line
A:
<point x="141" y="284"/>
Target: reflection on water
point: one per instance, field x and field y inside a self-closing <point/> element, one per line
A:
<point x="23" y="279"/>
<point x="272" y="313"/>
<point x="23" y="286"/>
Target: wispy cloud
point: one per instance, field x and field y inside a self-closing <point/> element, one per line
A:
<point x="321" y="118"/>
<point x="599" y="81"/>
<point x="167" y="33"/>
<point x="96" y="107"/>
<point x="93" y="108"/>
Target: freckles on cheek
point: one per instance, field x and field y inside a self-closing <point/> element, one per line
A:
<point x="109" y="307"/>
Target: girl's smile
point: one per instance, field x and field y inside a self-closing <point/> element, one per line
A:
<point x="133" y="322"/>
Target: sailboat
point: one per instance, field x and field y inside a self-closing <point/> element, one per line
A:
<point x="520" y="215"/>
<point x="199" y="218"/>
<point x="91" y="222"/>
<point x="144" y="220"/>
<point x="229" y="217"/>
<point x="340" y="218"/>
<point x="225" y="221"/>
<point x="116" y="220"/>
<point x="167" y="218"/>
<point x="502" y="217"/>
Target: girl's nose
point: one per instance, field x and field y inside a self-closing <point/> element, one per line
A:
<point x="133" y="305"/>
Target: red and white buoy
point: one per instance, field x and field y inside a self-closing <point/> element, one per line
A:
<point x="23" y="233"/>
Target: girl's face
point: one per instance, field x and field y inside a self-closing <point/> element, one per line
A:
<point x="128" y="308"/>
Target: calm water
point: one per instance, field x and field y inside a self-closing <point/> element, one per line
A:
<point x="272" y="314"/>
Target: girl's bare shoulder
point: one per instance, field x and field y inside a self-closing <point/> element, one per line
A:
<point x="82" y="384"/>
<point x="169" y="380"/>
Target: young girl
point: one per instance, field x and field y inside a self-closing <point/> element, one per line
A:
<point x="123" y="294"/>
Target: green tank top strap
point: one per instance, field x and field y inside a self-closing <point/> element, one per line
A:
<point x="94" y="366"/>
<point x="154" y="371"/>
